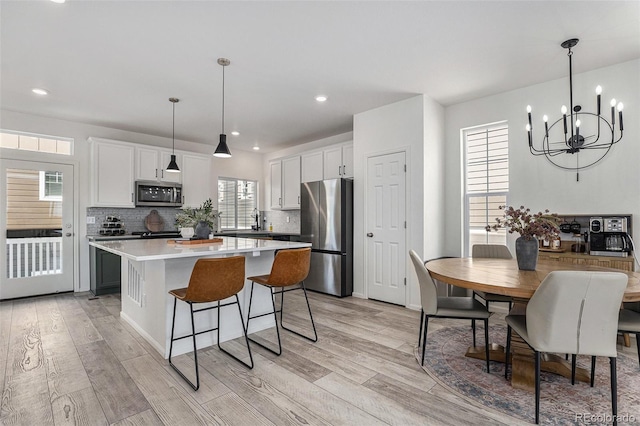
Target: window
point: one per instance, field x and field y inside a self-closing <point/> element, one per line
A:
<point x="39" y="143"/>
<point x="50" y="186"/>
<point x="237" y="203"/>
<point x="486" y="182"/>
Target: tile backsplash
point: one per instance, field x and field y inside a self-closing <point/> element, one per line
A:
<point x="133" y="219"/>
<point x="278" y="219"/>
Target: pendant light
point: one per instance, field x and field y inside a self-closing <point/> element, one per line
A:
<point x="173" y="166"/>
<point x="222" y="150"/>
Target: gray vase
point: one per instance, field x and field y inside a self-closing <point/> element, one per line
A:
<point x="202" y="230"/>
<point x="527" y="253"/>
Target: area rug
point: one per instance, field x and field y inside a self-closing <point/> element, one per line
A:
<point x="560" y="403"/>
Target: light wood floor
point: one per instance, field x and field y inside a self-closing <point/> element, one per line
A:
<point x="68" y="359"/>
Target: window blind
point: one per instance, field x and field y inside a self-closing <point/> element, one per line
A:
<point x="237" y="200"/>
<point x="486" y="182"/>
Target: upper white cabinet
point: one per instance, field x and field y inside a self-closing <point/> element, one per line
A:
<point x="291" y="183"/>
<point x="112" y="174"/>
<point x="196" y="179"/>
<point x="312" y="166"/>
<point x="285" y="184"/>
<point x="275" y="174"/>
<point x="338" y="162"/>
<point x="151" y="164"/>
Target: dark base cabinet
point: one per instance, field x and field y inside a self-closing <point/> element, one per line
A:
<point x="105" y="271"/>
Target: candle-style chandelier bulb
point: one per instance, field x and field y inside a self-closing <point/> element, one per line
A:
<point x="598" y="90"/>
<point x="563" y="110"/>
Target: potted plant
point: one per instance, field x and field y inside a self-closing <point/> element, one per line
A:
<point x="200" y="218"/>
<point x="531" y="227"/>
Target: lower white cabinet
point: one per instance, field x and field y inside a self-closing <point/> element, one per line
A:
<point x="112" y="176"/>
<point x="196" y="179"/>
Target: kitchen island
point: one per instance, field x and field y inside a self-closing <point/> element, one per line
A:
<point x="150" y="268"/>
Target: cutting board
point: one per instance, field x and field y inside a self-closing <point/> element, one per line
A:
<point x="154" y="222"/>
<point x="193" y="242"/>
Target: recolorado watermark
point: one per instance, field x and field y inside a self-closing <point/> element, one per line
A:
<point x="587" y="418"/>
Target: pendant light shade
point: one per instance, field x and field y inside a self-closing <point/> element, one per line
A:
<point x="222" y="151"/>
<point x="173" y="166"/>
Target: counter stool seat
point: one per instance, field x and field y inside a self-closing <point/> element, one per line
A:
<point x="212" y="280"/>
<point x="290" y="268"/>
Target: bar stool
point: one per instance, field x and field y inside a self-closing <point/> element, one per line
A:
<point x="290" y="267"/>
<point x="212" y="280"/>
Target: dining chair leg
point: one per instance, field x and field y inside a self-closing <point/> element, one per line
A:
<point x="473" y="329"/>
<point x="424" y="337"/>
<point x="421" y="324"/>
<point x="573" y="369"/>
<point x="614" y="390"/>
<point x="593" y="370"/>
<point x="507" y="352"/>
<point x="250" y="364"/>
<point x="638" y="344"/>
<point x="486" y="344"/>
<point x="537" y="375"/>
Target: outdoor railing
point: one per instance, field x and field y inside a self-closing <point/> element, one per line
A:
<point x="27" y="257"/>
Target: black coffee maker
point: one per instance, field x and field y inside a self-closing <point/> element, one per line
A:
<point x="608" y="237"/>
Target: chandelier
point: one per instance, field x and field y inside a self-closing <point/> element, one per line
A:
<point x="587" y="133"/>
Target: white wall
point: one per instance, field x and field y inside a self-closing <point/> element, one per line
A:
<point x="243" y="164"/>
<point x="416" y="126"/>
<point x="610" y="186"/>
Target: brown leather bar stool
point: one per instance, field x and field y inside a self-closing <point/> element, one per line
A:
<point x="212" y="280"/>
<point x="290" y="267"/>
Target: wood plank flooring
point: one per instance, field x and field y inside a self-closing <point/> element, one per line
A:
<point x="70" y="360"/>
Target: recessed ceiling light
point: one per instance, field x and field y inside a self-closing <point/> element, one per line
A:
<point x="234" y="133"/>
<point x="321" y="98"/>
<point x="58" y="1"/>
<point x="40" y="91"/>
<point x="256" y="148"/>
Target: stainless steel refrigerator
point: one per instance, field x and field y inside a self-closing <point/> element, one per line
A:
<point x="326" y="221"/>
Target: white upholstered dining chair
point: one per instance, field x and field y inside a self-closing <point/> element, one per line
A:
<point x="629" y="322"/>
<point x="434" y="306"/>
<point x="573" y="312"/>
<point x="491" y="251"/>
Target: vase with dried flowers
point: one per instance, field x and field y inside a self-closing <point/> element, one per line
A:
<point x="531" y="227"/>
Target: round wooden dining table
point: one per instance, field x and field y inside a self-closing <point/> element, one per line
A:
<point x="502" y="276"/>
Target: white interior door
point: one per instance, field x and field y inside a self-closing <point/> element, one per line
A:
<point x="385" y="228"/>
<point x="36" y="228"/>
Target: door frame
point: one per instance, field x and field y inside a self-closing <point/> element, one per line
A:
<point x="407" y="182"/>
<point x="14" y="154"/>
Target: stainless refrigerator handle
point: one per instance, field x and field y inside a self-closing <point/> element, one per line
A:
<point x="370" y="234"/>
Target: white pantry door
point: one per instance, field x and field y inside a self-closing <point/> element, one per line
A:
<point x="386" y="228"/>
<point x="36" y="228"/>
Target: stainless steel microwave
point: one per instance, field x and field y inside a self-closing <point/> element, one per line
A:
<point x="160" y="194"/>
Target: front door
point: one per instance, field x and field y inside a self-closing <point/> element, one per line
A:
<point x="36" y="228"/>
<point x="385" y="228"/>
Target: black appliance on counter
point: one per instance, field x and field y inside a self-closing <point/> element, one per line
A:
<point x="608" y="237"/>
<point x="326" y="221"/>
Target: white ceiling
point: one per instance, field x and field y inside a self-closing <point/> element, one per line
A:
<point x="115" y="64"/>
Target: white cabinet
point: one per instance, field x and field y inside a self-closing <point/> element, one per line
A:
<point x="338" y="162"/>
<point x="275" y="172"/>
<point x="151" y="164"/>
<point x="285" y="184"/>
<point x="312" y="169"/>
<point x="112" y="175"/>
<point x="196" y="179"/>
<point x="291" y="183"/>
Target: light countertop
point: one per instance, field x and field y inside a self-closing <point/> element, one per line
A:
<point x="159" y="249"/>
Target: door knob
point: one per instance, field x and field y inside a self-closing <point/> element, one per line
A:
<point x="68" y="234"/>
<point x="370" y="234"/>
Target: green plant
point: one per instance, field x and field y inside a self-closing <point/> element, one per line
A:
<point x="540" y="225"/>
<point x="189" y="217"/>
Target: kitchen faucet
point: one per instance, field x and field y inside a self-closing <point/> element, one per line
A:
<point x="256" y="215"/>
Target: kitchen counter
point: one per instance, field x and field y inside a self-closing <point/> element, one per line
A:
<point x="150" y="268"/>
